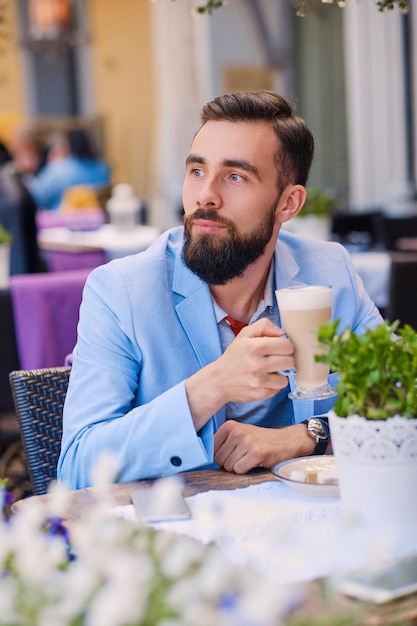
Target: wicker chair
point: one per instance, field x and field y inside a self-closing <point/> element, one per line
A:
<point x="39" y="400"/>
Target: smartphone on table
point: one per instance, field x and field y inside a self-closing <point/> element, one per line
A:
<point x="382" y="583"/>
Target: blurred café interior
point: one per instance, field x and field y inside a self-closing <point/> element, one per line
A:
<point x="132" y="76"/>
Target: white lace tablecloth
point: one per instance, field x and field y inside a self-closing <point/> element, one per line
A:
<point x="293" y="537"/>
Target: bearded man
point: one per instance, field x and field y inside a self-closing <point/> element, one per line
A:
<point x="180" y="354"/>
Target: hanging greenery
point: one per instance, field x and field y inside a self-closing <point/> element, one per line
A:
<point x="301" y="6"/>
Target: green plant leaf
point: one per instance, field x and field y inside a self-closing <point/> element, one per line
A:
<point x="318" y="203"/>
<point x="5" y="235"/>
<point x="377" y="369"/>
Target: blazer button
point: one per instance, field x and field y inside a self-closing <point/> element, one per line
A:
<point x="175" y="460"/>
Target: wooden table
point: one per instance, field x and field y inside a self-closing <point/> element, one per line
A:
<point x="318" y="604"/>
<point x="194" y="482"/>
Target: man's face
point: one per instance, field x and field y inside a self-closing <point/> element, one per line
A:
<point x="230" y="197"/>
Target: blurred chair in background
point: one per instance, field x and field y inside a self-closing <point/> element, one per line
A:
<point x="398" y="228"/>
<point x="363" y="230"/>
<point x="402" y="303"/>
<point x="46" y="308"/>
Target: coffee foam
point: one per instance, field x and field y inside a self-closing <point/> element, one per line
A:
<point x="307" y="297"/>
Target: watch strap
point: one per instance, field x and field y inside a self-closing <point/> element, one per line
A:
<point x="320" y="447"/>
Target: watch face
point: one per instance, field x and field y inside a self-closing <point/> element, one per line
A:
<point x="318" y="428"/>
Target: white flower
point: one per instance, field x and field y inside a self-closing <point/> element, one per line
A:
<point x="105" y="470"/>
<point x="116" y="572"/>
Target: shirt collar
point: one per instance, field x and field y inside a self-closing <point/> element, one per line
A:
<point x="266" y="301"/>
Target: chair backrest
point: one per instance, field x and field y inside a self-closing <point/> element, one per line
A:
<point x="39" y="397"/>
<point x="398" y="227"/>
<point x="347" y="227"/>
<point x="46" y="308"/>
<point x="402" y="303"/>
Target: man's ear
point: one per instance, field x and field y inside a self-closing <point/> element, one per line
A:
<point x="291" y="202"/>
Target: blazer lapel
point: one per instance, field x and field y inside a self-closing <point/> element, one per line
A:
<point x="286" y="268"/>
<point x="194" y="307"/>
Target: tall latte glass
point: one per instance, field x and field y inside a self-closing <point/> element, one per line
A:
<point x="303" y="309"/>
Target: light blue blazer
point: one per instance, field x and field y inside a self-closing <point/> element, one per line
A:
<point x="146" y="324"/>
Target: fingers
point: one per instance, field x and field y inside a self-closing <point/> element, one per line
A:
<point x="237" y="447"/>
<point x="240" y="447"/>
<point x="226" y="443"/>
<point x="262" y="328"/>
<point x="253" y="364"/>
<point x="263" y="358"/>
<point x="270" y="339"/>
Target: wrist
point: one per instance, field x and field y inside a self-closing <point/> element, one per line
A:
<point x="204" y="395"/>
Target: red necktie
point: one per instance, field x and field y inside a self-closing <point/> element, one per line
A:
<point x="235" y="325"/>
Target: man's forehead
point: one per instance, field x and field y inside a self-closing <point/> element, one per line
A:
<point x="240" y="127"/>
<point x="234" y="140"/>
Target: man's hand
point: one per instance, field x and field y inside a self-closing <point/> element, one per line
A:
<point x="248" y="370"/>
<point x="251" y="363"/>
<point x="240" y="447"/>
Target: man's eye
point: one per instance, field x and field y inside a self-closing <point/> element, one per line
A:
<point x="236" y="177"/>
<point x="197" y="172"/>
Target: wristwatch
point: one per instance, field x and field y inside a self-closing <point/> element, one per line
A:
<point x="318" y="428"/>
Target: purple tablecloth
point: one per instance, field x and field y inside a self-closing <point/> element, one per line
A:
<point x="63" y="261"/>
<point x="77" y="220"/>
<point x="82" y="220"/>
<point x="46" y="310"/>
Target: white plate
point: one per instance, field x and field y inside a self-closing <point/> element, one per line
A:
<point x="295" y="472"/>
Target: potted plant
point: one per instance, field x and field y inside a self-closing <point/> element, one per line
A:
<point x="314" y="219"/>
<point x="5" y="244"/>
<point x="373" y="425"/>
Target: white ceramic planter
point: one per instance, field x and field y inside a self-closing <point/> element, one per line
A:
<point x="377" y="467"/>
<point x="4" y="265"/>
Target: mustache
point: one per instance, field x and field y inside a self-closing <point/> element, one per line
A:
<point x="206" y="214"/>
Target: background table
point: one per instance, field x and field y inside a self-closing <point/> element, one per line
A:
<point x="111" y="241"/>
<point x="374" y="268"/>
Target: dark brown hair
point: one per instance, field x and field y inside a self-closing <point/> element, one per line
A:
<point x="295" y="141"/>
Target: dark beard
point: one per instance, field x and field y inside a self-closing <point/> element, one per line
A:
<point x="216" y="260"/>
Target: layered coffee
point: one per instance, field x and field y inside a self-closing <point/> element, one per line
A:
<point x="302" y="311"/>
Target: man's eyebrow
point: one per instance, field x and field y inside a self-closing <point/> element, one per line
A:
<point x="239" y="163"/>
<point x="243" y="165"/>
<point x="194" y="158"/>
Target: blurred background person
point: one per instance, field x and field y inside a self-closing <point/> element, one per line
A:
<point x="17" y="215"/>
<point x="5" y="155"/>
<point x="28" y="153"/>
<point x="71" y="162"/>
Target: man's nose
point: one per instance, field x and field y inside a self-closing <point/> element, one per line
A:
<point x="208" y="194"/>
